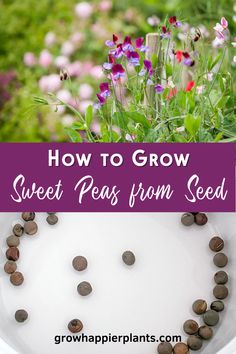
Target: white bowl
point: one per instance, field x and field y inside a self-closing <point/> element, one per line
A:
<point x="173" y="268"/>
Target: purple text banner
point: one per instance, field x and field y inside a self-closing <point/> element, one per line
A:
<point x="117" y="177"/>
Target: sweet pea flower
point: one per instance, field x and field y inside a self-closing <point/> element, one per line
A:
<point x="102" y="100"/>
<point x="75" y="68"/>
<point x="67" y="120"/>
<point x="173" y="21"/>
<point x="159" y="88"/>
<point x="29" y="59"/>
<point x="172" y="93"/>
<point x="107" y="66"/>
<point x="105" y="90"/>
<point x="45" y="58"/>
<point x="139" y="44"/>
<point x="148" y="66"/>
<point x="111" y="44"/>
<point x="190" y="85"/>
<point x="83" y="10"/>
<point x="127" y="44"/>
<point x="133" y="58"/>
<point x="165" y="34"/>
<point x="118" y="71"/>
<point x="200" y="89"/>
<point x="96" y="72"/>
<point x="50" y="39"/>
<point x="221" y="33"/>
<point x="64" y="95"/>
<point x="77" y="38"/>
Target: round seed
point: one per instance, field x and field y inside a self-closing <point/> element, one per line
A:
<point x="217" y="306"/>
<point x="216" y="244"/>
<point x="28" y="216"/>
<point x="75" y="326"/>
<point x="187" y="219"/>
<point x="211" y="318"/>
<point x="52" y="219"/>
<point x="84" y="288"/>
<point x="128" y="258"/>
<point x="16" y="278"/>
<point x="220" y="292"/>
<point x="10" y="267"/>
<point x="180" y="348"/>
<point x="164" y="348"/>
<point x="18" y="230"/>
<point x="80" y="263"/>
<point x="201" y="219"/>
<point x="21" y="316"/>
<point x="31" y="227"/>
<point x="199" y="307"/>
<point x="221" y="277"/>
<point x="205" y="332"/>
<point x="194" y="342"/>
<point x="13" y="241"/>
<point x="220" y="260"/>
<point x="190" y="327"/>
<point x="12" y="254"/>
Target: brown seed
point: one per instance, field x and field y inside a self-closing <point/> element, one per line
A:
<point x="187" y="219"/>
<point x="221" y="277"/>
<point x="128" y="258"/>
<point x="52" y="219"/>
<point x="199" y="307"/>
<point x="75" y="326"/>
<point x="190" y="327"/>
<point x="10" y="267"/>
<point x="220" y="260"/>
<point x="21" y="316"/>
<point x="164" y="348"/>
<point x="220" y="292"/>
<point x="28" y="216"/>
<point x="194" y="342"/>
<point x="216" y="244"/>
<point x="205" y="332"/>
<point x="180" y="348"/>
<point x="12" y="254"/>
<point x="201" y="219"/>
<point x="18" y="230"/>
<point x="211" y="318"/>
<point x="13" y="241"/>
<point x="80" y="263"/>
<point x="217" y="306"/>
<point x="16" y="278"/>
<point x="31" y="227"/>
<point x="84" y="288"/>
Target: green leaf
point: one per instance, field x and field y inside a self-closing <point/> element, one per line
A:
<point x="169" y="70"/>
<point x="192" y="124"/>
<point x="78" y="126"/>
<point x="218" y="137"/>
<point x="120" y="119"/>
<point x="73" y="135"/>
<point x="222" y="102"/>
<point x="138" y="118"/>
<point x="89" y="115"/>
<point x="215" y="61"/>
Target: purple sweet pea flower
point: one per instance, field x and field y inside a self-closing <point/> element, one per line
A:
<point x="148" y="66"/>
<point x="118" y="71"/>
<point x="118" y="52"/>
<point x="127" y="44"/>
<point x="104" y="88"/>
<point x="133" y="58"/>
<point x="102" y="100"/>
<point x="178" y="24"/>
<point x="139" y="44"/>
<point x="107" y="66"/>
<point x="188" y="62"/>
<point x="159" y="88"/>
<point x="110" y="44"/>
<point x="165" y="33"/>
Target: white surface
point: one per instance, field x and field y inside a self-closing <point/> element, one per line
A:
<point x="173" y="268"/>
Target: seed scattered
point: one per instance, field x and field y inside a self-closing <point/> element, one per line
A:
<point x="199" y="307"/>
<point x="187" y="219"/>
<point x="31" y="228"/>
<point x="75" y="326"/>
<point x="79" y="263"/>
<point x="205" y="332"/>
<point x="13" y="241"/>
<point x="10" y="267"/>
<point x="180" y="348"/>
<point x="16" y="278"/>
<point x="165" y="348"/>
<point x="217" y="306"/>
<point x="220" y="260"/>
<point x="211" y="318"/>
<point x="21" y="316"/>
<point x="216" y="244"/>
<point x="13" y="254"/>
<point x="220" y="292"/>
<point x="28" y="216"/>
<point x="52" y="219"/>
<point x="194" y="342"/>
<point x="201" y="219"/>
<point x="84" y="288"/>
<point x="128" y="258"/>
<point x="190" y="327"/>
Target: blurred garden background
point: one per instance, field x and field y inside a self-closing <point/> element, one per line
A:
<point x="40" y="38"/>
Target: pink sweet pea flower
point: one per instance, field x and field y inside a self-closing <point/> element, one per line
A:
<point x="104" y="88"/>
<point x="133" y="58"/>
<point x="45" y="58"/>
<point x="148" y="66"/>
<point x="139" y="44"/>
<point x="102" y="100"/>
<point x="30" y="59"/>
<point x="173" y="21"/>
<point x="127" y="44"/>
<point x="165" y="33"/>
